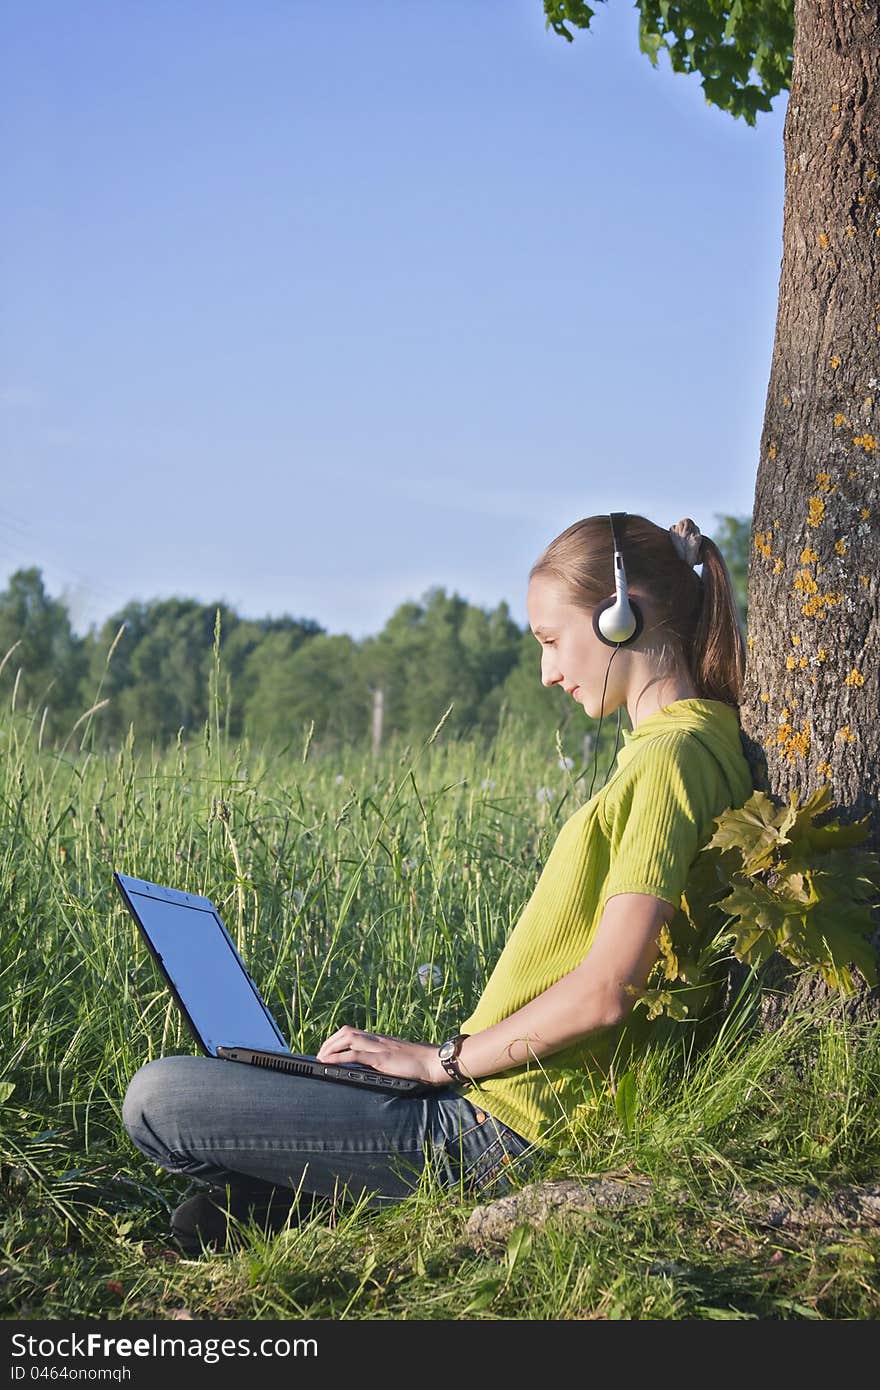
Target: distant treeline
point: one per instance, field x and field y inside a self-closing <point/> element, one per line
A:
<point x="156" y="665"/>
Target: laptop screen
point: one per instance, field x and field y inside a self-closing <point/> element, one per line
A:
<point x="203" y="966"/>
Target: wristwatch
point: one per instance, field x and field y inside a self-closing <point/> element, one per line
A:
<point x="448" y="1054"/>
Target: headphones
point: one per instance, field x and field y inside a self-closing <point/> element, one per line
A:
<point x="617" y="621"/>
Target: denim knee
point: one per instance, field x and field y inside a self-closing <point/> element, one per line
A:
<point x="145" y="1107"/>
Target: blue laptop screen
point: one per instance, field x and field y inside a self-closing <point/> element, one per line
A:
<point x="218" y="995"/>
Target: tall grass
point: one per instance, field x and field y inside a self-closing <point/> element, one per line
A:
<point x="337" y="879"/>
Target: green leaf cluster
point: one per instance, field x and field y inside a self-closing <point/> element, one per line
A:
<point x="562" y="12"/>
<point x="770" y="880"/>
<point x="743" y="48"/>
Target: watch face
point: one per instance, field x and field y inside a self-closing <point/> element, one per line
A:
<point x="445" y="1051"/>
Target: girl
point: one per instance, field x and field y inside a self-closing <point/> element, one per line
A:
<point x="667" y="645"/>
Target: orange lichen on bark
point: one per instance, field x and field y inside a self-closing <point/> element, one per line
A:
<point x="822" y="481"/>
<point x="863" y="579"/>
<point x="762" y="543"/>
<point x="771" y="452"/>
<point x="805" y="582"/>
<point x="815" y="607"/>
<point x="778" y="566"/>
<point x="823" y="241"/>
<point x="840" y="547"/>
<point x="846" y="734"/>
<point x="866" y="442"/>
<point x="824" y="770"/>
<point x="865" y="513"/>
<point x="855" y="678"/>
<point x="817" y="512"/>
<point x="835" y="363"/>
<point x="808" y="555"/>
<point x="840" y="419"/>
<point x="794" y="744"/>
<point x="799" y="743"/>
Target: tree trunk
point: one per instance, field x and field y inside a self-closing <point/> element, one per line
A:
<point x="811" y="703"/>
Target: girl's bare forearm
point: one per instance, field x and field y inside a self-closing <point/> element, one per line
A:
<point x="567" y="1012"/>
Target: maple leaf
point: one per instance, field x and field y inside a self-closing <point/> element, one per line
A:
<point x="756" y="830"/>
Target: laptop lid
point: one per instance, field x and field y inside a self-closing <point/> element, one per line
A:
<point x="197" y="956"/>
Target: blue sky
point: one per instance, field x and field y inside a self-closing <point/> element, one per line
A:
<point x="310" y="307"/>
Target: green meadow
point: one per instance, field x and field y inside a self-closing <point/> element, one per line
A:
<point x="338" y="876"/>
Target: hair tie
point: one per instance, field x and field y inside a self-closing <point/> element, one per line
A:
<point x="688" y="540"/>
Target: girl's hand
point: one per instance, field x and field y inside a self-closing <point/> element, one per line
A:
<point x="386" y="1054"/>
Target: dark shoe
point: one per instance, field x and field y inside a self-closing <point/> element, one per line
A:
<point x="202" y="1221"/>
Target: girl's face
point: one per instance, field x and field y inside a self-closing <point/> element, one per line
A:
<point x="571" y="654"/>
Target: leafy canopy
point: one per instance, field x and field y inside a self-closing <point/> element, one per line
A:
<point x="743" y="48"/>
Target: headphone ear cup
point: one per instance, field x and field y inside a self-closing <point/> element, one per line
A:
<point x="626" y="614"/>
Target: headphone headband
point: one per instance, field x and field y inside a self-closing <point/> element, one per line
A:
<point x="615" y="516"/>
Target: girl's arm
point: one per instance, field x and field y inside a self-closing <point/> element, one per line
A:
<point x="590" y="997"/>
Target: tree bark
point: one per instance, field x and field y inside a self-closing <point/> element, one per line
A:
<point x="811" y="703"/>
<point x="811" y="699"/>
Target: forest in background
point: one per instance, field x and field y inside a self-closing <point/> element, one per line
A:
<point x="154" y="664"/>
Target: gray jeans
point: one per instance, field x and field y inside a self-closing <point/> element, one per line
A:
<point x="223" y="1122"/>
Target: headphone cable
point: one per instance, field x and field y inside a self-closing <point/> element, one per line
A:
<point x="599" y="729"/>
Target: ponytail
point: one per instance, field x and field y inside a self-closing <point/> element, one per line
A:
<point x="717" y="657"/>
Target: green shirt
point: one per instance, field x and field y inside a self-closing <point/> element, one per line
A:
<point x="678" y="770"/>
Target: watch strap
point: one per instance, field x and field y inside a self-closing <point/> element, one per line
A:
<point x="450" y="1064"/>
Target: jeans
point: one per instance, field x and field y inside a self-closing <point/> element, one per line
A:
<point x="224" y="1122"/>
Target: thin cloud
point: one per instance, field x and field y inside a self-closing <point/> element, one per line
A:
<point x="545" y="511"/>
<point x="61" y="438"/>
<point x="513" y="504"/>
<point x="19" y="397"/>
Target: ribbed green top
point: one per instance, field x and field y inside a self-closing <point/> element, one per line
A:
<point x="678" y="770"/>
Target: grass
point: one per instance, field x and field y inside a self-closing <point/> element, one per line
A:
<point x="337" y="882"/>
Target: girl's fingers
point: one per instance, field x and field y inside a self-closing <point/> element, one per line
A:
<point x="341" y="1039"/>
<point x="344" y="1031"/>
<point x="356" y="1055"/>
<point x="347" y="1048"/>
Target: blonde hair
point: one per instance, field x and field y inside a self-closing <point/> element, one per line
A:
<point x="689" y="621"/>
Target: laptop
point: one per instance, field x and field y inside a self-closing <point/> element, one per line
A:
<point x="218" y="998"/>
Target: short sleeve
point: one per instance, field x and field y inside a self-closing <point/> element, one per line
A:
<point x="656" y="819"/>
